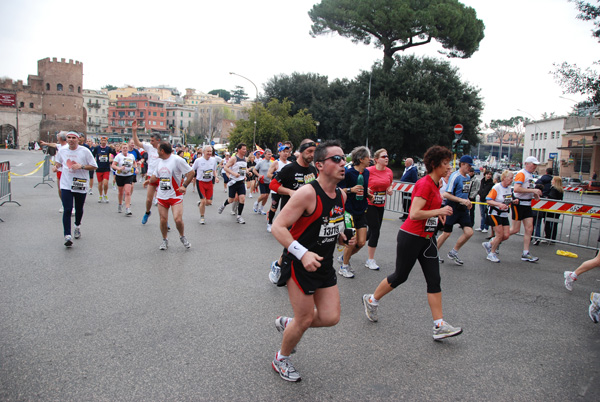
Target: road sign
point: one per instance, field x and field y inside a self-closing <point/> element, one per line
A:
<point x="553" y="155"/>
<point x="458" y="129"/>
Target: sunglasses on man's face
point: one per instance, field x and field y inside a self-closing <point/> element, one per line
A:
<point x="334" y="158"/>
<point x="383" y="156"/>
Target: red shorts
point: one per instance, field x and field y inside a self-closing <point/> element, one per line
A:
<point x="168" y="203"/>
<point x="205" y="189"/>
<point x="101" y="176"/>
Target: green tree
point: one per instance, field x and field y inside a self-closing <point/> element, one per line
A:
<point x="226" y="95"/>
<point x="572" y="78"/>
<point x="238" y="95"/>
<point x="394" y="25"/>
<point x="110" y="87"/>
<point x="274" y="123"/>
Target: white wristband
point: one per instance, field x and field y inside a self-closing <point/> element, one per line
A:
<point x="297" y="249"/>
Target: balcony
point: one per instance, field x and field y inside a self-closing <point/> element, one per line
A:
<point x="91" y="105"/>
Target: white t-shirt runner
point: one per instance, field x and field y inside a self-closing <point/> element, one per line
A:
<point x="75" y="180"/>
<point x="152" y="156"/>
<point x="205" y="169"/>
<point x="169" y="172"/>
<point x="126" y="162"/>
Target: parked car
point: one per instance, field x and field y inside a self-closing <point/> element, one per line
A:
<point x="571" y="182"/>
<point x="593" y="186"/>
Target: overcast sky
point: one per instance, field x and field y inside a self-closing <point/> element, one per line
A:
<point x="195" y="44"/>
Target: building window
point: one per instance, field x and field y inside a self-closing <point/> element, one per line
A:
<point x="71" y="88"/>
<point x="536" y="136"/>
<point x="59" y="87"/>
<point x="545" y="136"/>
<point x="78" y="90"/>
<point x="162" y="115"/>
<point x="141" y="114"/>
<point x="531" y="137"/>
<point x="552" y="135"/>
<point x="47" y="86"/>
<point x="31" y="105"/>
<point x="22" y="104"/>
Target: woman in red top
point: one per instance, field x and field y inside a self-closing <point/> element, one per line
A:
<point x="380" y="184"/>
<point x="416" y="241"/>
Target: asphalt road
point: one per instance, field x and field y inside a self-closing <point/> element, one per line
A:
<point x="116" y="319"/>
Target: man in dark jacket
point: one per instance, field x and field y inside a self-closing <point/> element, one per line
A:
<point x="546" y="181"/>
<point x="410" y="175"/>
<point x="486" y="186"/>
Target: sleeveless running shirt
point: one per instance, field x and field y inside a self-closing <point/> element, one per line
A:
<point x="319" y="231"/>
<point x="240" y="167"/>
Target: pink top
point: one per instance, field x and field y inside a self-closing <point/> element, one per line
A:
<point x="379" y="181"/>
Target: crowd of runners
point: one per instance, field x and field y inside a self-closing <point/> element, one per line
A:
<point x="325" y="203"/>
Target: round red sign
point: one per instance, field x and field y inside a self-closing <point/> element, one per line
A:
<point x="458" y="129"/>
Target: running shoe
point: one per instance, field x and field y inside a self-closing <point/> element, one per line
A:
<point x="260" y="211"/>
<point x="128" y="212"/>
<point x="594" y="309"/>
<point x="198" y="203"/>
<point x="445" y="331"/>
<point x="484" y="231"/>
<point x="487" y="246"/>
<point x="275" y="272"/>
<point x="371" y="264"/>
<point x="255" y="207"/>
<point x="269" y="227"/>
<point x="370" y="308"/>
<point x="221" y="208"/>
<point x="105" y="197"/>
<point x="91" y="192"/>
<point x="145" y="217"/>
<point x="493" y="257"/>
<point x="73" y="212"/>
<point x="68" y="241"/>
<point x="119" y="208"/>
<point x="99" y="199"/>
<point x="528" y="257"/>
<point x="164" y="245"/>
<point x="168" y="227"/>
<point x="77" y="232"/>
<point x="477" y="229"/>
<point x="240" y="220"/>
<point x="345" y="271"/>
<point x="202" y="220"/>
<point x="280" y="324"/>
<point x="250" y="195"/>
<point x="440" y="260"/>
<point x="61" y="210"/>
<point x="569" y="279"/>
<point x="536" y="242"/>
<point x="454" y="257"/>
<point x="340" y="259"/>
<point x="233" y="211"/>
<point x="185" y="242"/>
<point x="286" y="370"/>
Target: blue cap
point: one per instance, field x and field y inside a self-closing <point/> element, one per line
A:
<point x="466" y="159"/>
<point x="282" y="147"/>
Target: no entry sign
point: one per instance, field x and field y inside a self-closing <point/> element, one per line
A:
<point x="458" y="129"/>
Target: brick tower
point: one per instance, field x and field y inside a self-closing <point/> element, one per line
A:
<point x="62" y="101"/>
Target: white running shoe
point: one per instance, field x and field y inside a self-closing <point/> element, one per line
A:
<point x="569" y="279"/>
<point x="73" y="212"/>
<point x="487" y="246"/>
<point x="594" y="309"/>
<point x="77" y="232"/>
<point x="185" y="242"/>
<point x="220" y="210"/>
<point x="128" y="212"/>
<point x="370" y="308"/>
<point x="269" y="227"/>
<point x="445" y="331"/>
<point x="478" y="229"/>
<point x="202" y="221"/>
<point x="493" y="257"/>
<point x="274" y="273"/>
<point x="68" y="241"/>
<point x="105" y="198"/>
<point x="371" y="264"/>
<point x="164" y="245"/>
<point x="240" y="220"/>
<point x="286" y="370"/>
<point x="61" y="210"/>
<point x="484" y="231"/>
<point x="119" y="208"/>
<point x="345" y="271"/>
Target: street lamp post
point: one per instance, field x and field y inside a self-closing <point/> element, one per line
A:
<point x="255" y="108"/>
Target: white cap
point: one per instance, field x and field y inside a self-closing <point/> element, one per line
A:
<point x="532" y="159"/>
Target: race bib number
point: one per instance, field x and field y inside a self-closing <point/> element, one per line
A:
<point x="308" y="178"/>
<point x="466" y="187"/>
<point x="103" y="158"/>
<point x="165" y="183"/>
<point x="331" y="229"/>
<point x="530" y="183"/>
<point x="78" y="184"/>
<point x="508" y="199"/>
<point x="431" y="224"/>
<point x="379" y="198"/>
<point x="207" y="174"/>
<point x="242" y="172"/>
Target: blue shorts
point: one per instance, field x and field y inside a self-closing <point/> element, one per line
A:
<point x="460" y="216"/>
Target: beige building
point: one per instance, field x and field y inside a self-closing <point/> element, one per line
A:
<point x="580" y="150"/>
<point x="123" y="92"/>
<point x="96" y="103"/>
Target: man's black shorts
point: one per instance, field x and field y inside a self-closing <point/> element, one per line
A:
<point x="308" y="282"/>
<point x="521" y="212"/>
<point x="461" y="217"/>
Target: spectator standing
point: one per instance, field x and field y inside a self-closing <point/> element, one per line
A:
<point x="485" y="186"/>
<point x="410" y="175"/>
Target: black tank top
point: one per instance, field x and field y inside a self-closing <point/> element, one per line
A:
<point x="319" y="231"/>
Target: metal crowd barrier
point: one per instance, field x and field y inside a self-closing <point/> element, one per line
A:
<point x="5" y="189"/>
<point x="569" y="222"/>
<point x="45" y="172"/>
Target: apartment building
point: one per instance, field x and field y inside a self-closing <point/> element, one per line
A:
<point x="148" y="111"/>
<point x="96" y="103"/>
